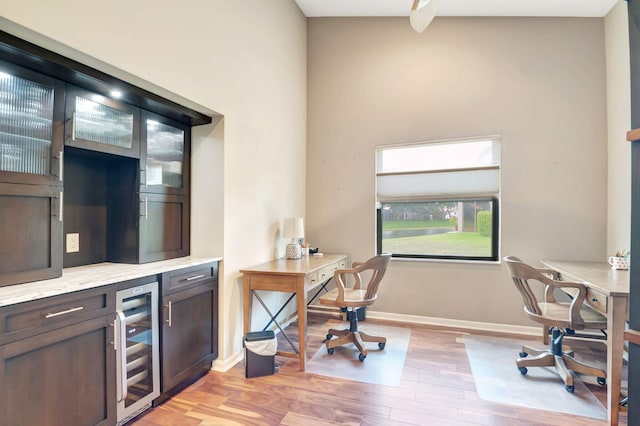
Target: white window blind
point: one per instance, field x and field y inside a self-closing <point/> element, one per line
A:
<point x="434" y="170"/>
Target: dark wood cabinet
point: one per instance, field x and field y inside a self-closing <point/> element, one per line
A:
<point x="57" y="356"/>
<point x="98" y="123"/>
<point x="31" y="127"/>
<point x="189" y="338"/>
<point x="164" y="227"/>
<point x="126" y="194"/>
<point x="31" y="233"/>
<point x="164" y="155"/>
<point x="64" y="373"/>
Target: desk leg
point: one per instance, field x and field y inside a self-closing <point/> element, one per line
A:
<point x="617" y="316"/>
<point x="301" y="301"/>
<point x="248" y="303"/>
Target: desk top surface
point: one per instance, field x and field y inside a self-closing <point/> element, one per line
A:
<point x="599" y="275"/>
<point x="302" y="266"/>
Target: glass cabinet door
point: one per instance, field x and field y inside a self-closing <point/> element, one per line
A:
<point x="30" y="137"/>
<point x="99" y="123"/>
<point x="164" y="157"/>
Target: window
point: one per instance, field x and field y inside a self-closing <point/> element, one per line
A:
<point x="439" y="199"/>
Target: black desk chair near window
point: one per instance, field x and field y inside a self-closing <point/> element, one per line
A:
<point x="352" y="298"/>
<point x="560" y="316"/>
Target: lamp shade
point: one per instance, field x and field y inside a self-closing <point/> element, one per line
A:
<point x="293" y="228"/>
<point x="422" y="13"/>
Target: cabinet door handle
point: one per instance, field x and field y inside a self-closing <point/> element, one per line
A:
<point x="168" y="320"/>
<point x="146" y="208"/>
<point x="115" y="334"/>
<point x="73" y="126"/>
<point x="68" y="311"/>
<point x="60" y="206"/>
<point x="195" y="278"/>
<point x="60" y="165"/>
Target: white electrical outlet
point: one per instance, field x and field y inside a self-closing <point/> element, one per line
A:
<point x="73" y="243"/>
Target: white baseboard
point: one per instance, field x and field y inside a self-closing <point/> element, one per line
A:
<point x="447" y="322"/>
<point x="224" y="365"/>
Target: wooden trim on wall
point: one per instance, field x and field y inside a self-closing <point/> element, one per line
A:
<point x="632" y="336"/>
<point x="633" y="135"/>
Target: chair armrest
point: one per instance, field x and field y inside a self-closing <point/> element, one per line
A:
<point x="552" y="272"/>
<point x="577" y="301"/>
<point x="341" y="278"/>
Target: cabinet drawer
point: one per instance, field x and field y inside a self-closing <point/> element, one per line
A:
<point x="32" y="318"/>
<point x="185" y="278"/>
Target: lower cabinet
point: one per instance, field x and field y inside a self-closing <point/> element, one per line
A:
<point x="60" y="378"/>
<point x="189" y="338"/>
<point x="58" y="357"/>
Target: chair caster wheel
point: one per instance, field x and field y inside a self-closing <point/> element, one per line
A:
<point x="601" y="381"/>
<point x="523" y="354"/>
<point x="329" y="336"/>
<point x="381" y="345"/>
<point x="331" y="351"/>
<point x="570" y="389"/>
<point x="361" y="357"/>
<point x="523" y="370"/>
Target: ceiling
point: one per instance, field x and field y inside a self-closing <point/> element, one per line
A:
<point x="565" y="8"/>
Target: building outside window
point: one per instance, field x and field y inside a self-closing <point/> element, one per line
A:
<point x="439" y="199"/>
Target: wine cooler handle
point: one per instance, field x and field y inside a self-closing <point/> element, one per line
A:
<point x="122" y="360"/>
<point x="168" y="305"/>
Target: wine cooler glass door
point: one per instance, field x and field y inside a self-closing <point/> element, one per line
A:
<point x="138" y="361"/>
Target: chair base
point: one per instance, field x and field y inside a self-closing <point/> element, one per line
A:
<point x="353" y="335"/>
<point x="563" y="361"/>
<point x="358" y="338"/>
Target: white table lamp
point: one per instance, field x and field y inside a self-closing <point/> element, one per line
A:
<point x="293" y="229"/>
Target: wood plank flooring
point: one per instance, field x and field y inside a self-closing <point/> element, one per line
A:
<point x="437" y="389"/>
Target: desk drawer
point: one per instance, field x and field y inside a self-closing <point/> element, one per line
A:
<point x="597" y="301"/>
<point x="313" y="278"/>
<point x="327" y="272"/>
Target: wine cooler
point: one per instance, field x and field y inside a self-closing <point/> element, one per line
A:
<point x="137" y="346"/>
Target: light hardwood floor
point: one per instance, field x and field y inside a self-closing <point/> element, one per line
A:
<point x="437" y="389"/>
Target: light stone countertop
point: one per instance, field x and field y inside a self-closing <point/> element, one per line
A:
<point x="92" y="276"/>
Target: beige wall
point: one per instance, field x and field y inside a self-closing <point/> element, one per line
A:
<point x="537" y="82"/>
<point x="245" y="59"/>
<point x="619" y="121"/>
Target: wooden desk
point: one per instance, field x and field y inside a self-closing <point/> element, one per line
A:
<point x="297" y="276"/>
<point x="607" y="293"/>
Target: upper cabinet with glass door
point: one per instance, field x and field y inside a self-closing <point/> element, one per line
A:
<point x="98" y="123"/>
<point x="164" y="156"/>
<point x="31" y="123"/>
